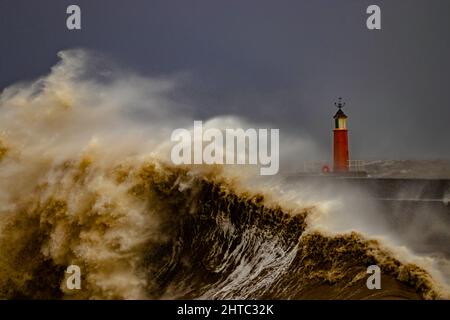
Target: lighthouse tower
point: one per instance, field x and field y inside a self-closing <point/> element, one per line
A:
<point x="340" y="139"/>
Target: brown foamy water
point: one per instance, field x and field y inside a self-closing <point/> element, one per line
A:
<point x="80" y="184"/>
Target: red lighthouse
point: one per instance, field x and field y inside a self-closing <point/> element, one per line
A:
<point x="340" y="139"/>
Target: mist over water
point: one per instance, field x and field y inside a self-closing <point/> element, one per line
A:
<point x="86" y="179"/>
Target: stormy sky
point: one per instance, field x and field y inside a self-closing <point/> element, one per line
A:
<point x="279" y="62"/>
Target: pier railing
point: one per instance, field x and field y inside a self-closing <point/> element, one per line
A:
<point x="326" y="166"/>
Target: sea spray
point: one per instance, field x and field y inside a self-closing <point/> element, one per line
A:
<point x="84" y="181"/>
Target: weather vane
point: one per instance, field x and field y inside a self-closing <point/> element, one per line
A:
<point x="339" y="104"/>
